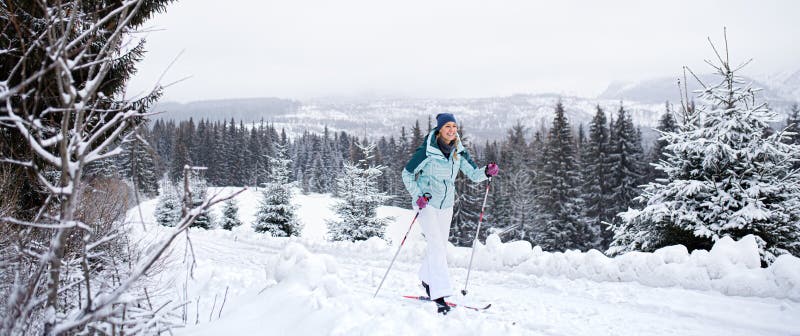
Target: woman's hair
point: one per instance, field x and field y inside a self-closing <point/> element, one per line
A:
<point x="456" y="141"/>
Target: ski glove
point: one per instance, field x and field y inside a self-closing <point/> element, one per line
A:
<point x="492" y="169"/>
<point x="422" y="201"/>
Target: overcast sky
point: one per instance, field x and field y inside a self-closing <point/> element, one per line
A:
<point x="456" y="48"/>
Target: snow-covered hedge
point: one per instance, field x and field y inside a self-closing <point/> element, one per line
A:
<point x="731" y="267"/>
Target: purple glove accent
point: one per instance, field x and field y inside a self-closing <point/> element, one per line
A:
<point x="492" y="169"/>
<point x="422" y="201"/>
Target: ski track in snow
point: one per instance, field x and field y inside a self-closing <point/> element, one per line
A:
<point x="522" y="304"/>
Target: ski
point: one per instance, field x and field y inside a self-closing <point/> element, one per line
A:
<point x="425" y="298"/>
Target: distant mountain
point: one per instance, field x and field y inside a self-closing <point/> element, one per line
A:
<point x="666" y="88"/>
<point x="481" y="118"/>
<point x="786" y="83"/>
<point x="245" y="109"/>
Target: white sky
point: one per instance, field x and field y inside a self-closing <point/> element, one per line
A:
<point x="455" y="48"/>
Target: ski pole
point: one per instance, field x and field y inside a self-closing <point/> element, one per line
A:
<point x="475" y="241"/>
<point x="396" y="253"/>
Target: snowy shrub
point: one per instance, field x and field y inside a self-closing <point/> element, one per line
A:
<point x="727" y="175"/>
<point x="276" y="214"/>
<point x="230" y="215"/>
<point x="168" y="209"/>
<point x="360" y="197"/>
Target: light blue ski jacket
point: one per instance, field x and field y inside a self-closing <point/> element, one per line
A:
<point x="429" y="171"/>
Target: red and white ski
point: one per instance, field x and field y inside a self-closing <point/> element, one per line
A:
<point x="425" y="298"/>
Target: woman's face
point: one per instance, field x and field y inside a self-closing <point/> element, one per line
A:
<point x="448" y="131"/>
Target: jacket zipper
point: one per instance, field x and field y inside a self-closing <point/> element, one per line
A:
<point x="452" y="164"/>
<point x="445" y="193"/>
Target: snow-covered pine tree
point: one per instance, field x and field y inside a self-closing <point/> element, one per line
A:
<point x="107" y="167"/>
<point x="180" y="157"/>
<point x="626" y="163"/>
<point x="276" y="214"/>
<point x="262" y="171"/>
<point x="402" y="151"/>
<point x="417" y="137"/>
<point x="137" y="164"/>
<point x="665" y="124"/>
<point x="328" y="164"/>
<point x="168" y="209"/>
<point x="726" y="176"/>
<point x="514" y="201"/>
<point x="595" y="174"/>
<point x="537" y="149"/>
<point x="255" y="159"/>
<point x="199" y="191"/>
<point x="230" y="215"/>
<point x="793" y="125"/>
<point x="360" y="198"/>
<point x="559" y="196"/>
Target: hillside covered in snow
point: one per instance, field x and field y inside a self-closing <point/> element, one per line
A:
<point x="242" y="282"/>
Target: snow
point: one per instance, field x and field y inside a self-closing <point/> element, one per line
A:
<point x="306" y="285"/>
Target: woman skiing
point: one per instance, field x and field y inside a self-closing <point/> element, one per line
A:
<point x="429" y="177"/>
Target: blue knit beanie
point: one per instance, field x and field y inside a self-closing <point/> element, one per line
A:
<point x="443" y="118"/>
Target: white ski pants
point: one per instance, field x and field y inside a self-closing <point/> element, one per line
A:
<point x="436" y="227"/>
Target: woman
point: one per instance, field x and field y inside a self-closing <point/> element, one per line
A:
<point x="429" y="177"/>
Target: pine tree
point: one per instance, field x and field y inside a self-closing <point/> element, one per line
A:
<point x="137" y="163"/>
<point x="559" y="196"/>
<point x="626" y="158"/>
<point x="402" y="198"/>
<point x="199" y="190"/>
<point x="514" y="203"/>
<point x="230" y="215"/>
<point x="276" y="214"/>
<point x="417" y="137"/>
<point x="180" y="157"/>
<point x="255" y="159"/>
<point x="360" y="198"/>
<point x="596" y="171"/>
<point x="793" y="128"/>
<point x="665" y="124"/>
<point x="725" y="177"/>
<point x="168" y="209"/>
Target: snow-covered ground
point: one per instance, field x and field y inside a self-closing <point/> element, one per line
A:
<point x="308" y="286"/>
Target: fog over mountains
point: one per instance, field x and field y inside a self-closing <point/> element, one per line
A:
<point x="481" y="118"/>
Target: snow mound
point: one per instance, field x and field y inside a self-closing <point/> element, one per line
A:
<point x="296" y="266"/>
<point x="731" y="267"/>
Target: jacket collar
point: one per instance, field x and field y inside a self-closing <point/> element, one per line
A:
<point x="433" y="148"/>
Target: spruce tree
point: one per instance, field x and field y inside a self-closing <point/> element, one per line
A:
<point x="665" y="124"/>
<point x="180" y="157"/>
<point x="626" y="163"/>
<point x="168" y="209"/>
<point x="514" y="200"/>
<point x="726" y="176"/>
<point x="360" y="198"/>
<point x="199" y="190"/>
<point x="596" y="171"/>
<point x="137" y="163"/>
<point x="230" y="215"/>
<point x="402" y="154"/>
<point x="276" y="214"/>
<point x="559" y="197"/>
<point x="793" y="129"/>
<point x="417" y="137"/>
